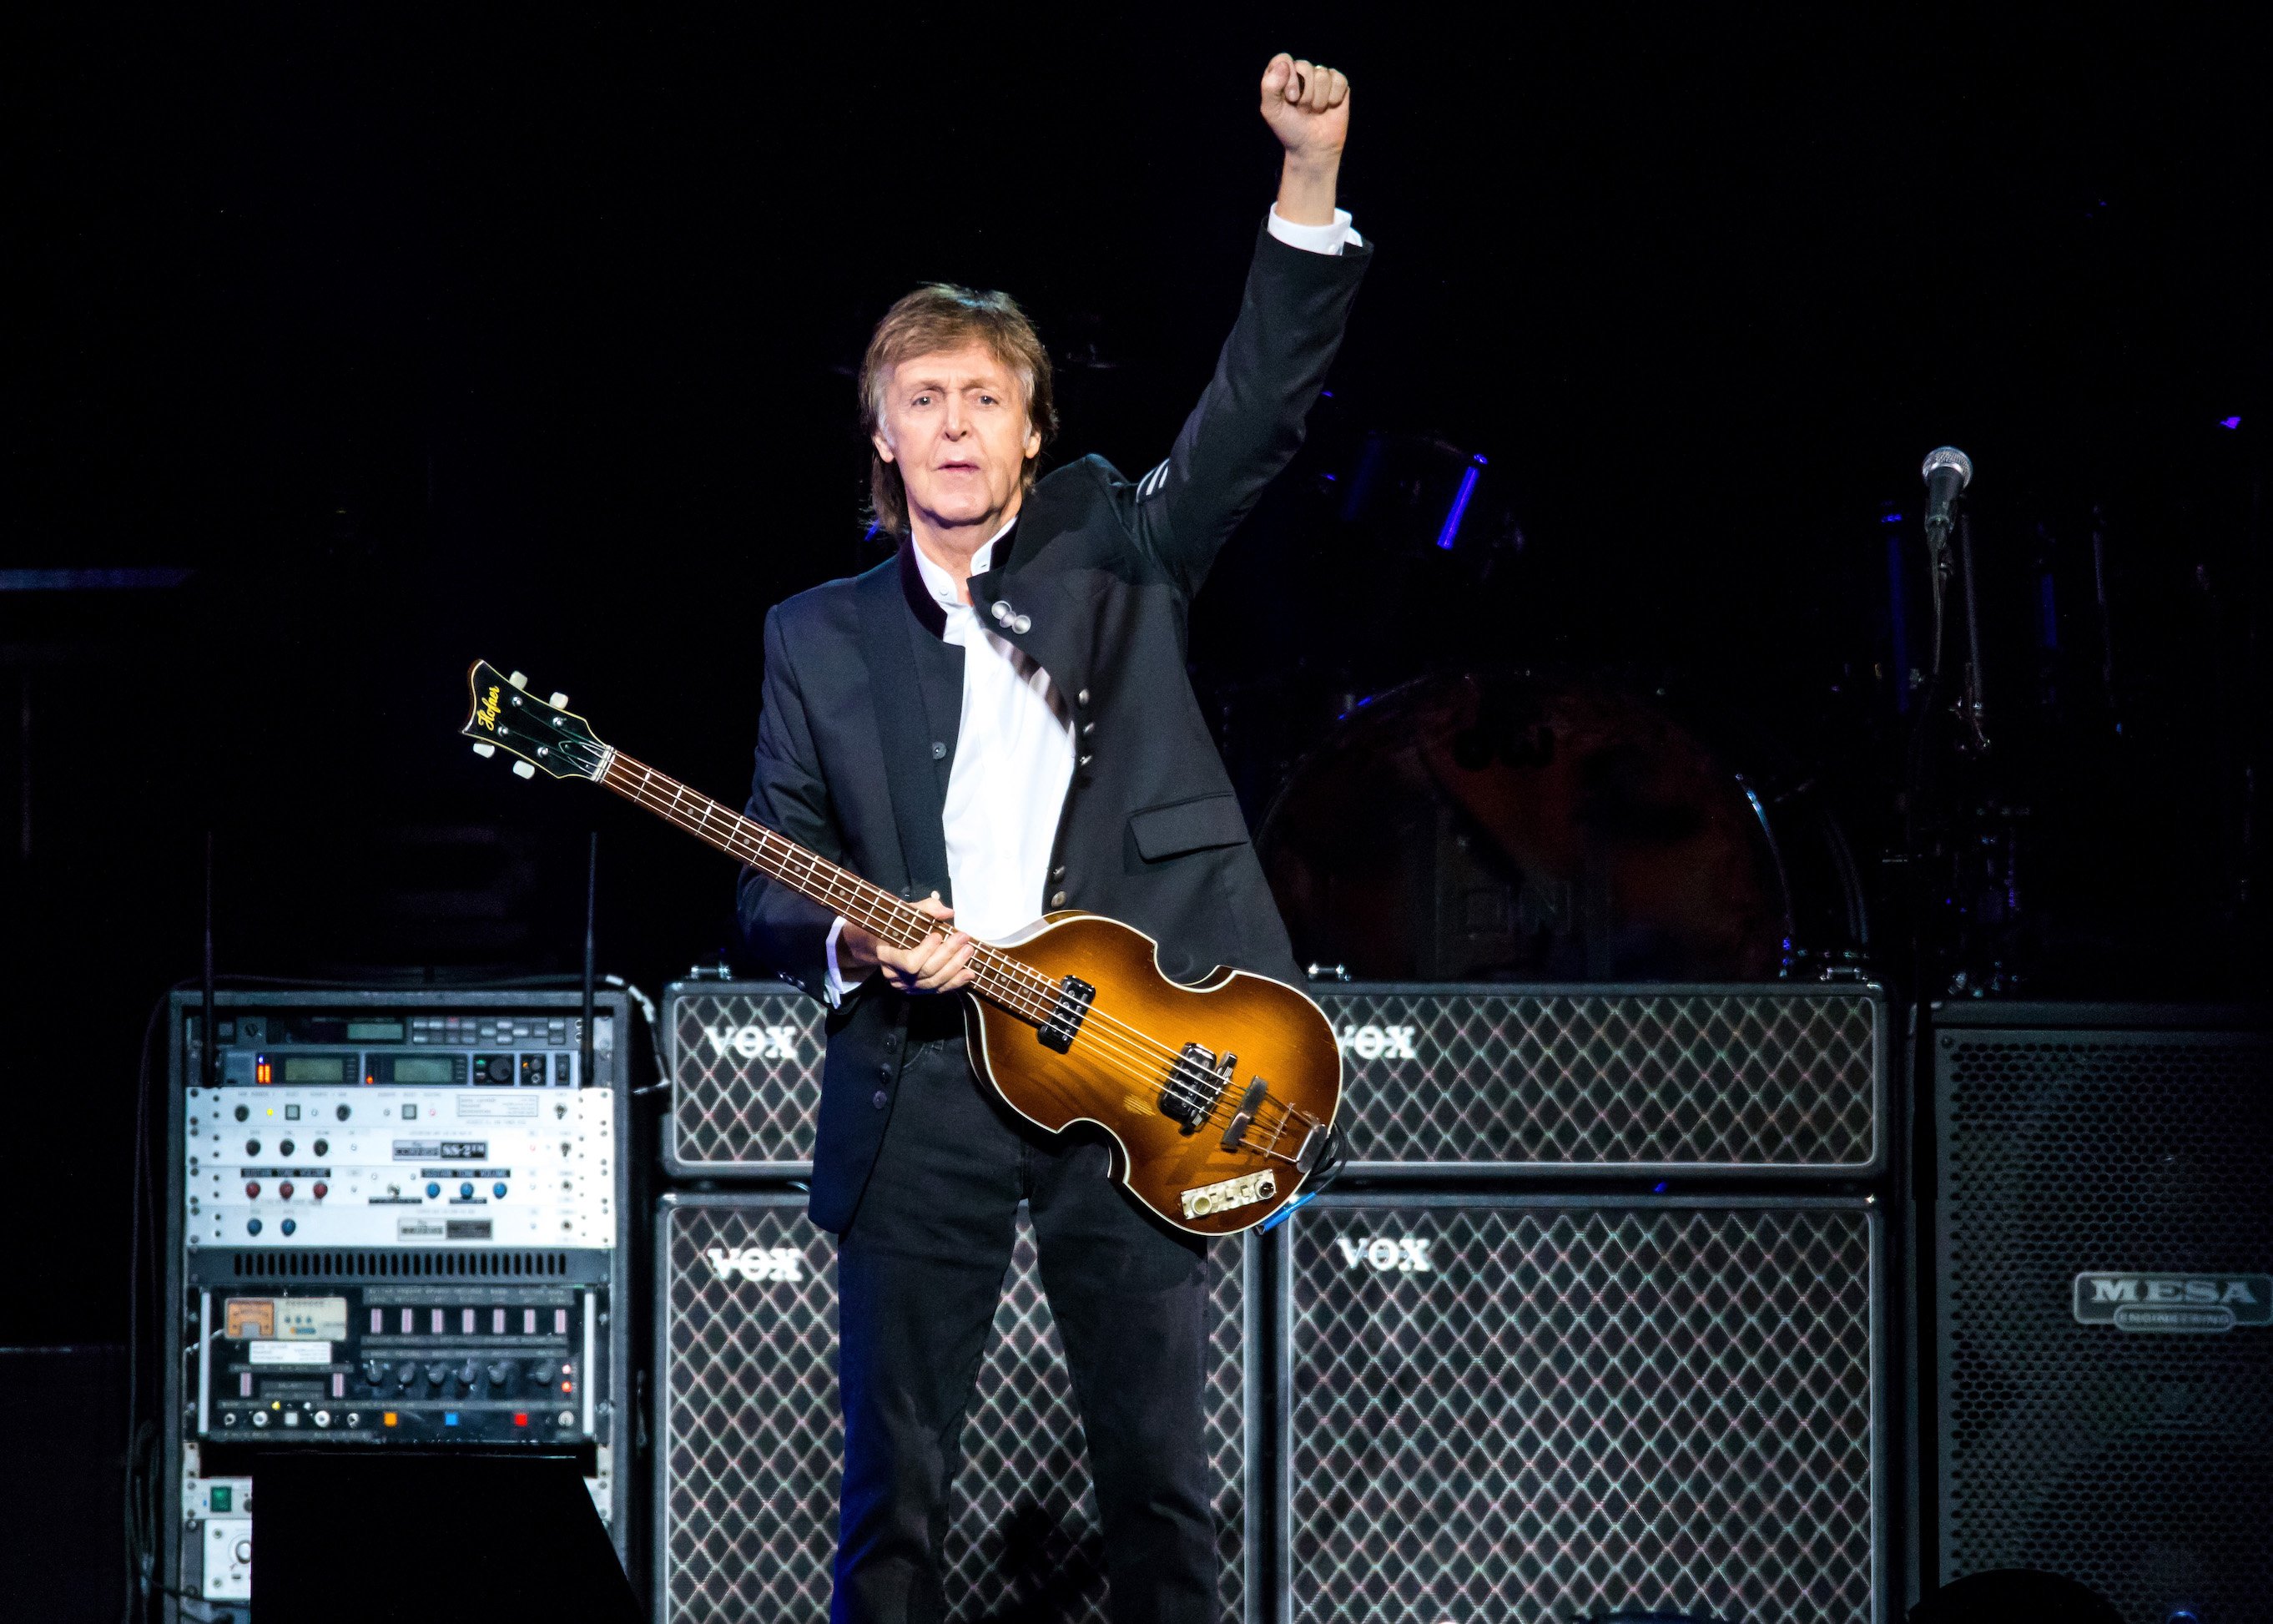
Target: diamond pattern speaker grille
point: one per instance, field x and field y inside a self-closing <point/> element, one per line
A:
<point x="1756" y="1077"/>
<point x="1538" y="1410"/>
<point x="2132" y="1461"/>
<point x="751" y="1439"/>
<point x="744" y="1062"/>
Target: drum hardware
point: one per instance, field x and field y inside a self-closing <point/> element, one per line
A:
<point x="1508" y="824"/>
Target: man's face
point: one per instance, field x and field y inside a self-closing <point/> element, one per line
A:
<point x="955" y="423"/>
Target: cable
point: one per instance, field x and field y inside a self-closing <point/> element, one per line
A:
<point x="141" y="1518"/>
<point x="654" y="1032"/>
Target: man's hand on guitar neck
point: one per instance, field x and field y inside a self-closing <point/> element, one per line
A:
<point x="940" y="963"/>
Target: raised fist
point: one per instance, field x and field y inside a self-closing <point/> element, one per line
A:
<point x="1307" y="107"/>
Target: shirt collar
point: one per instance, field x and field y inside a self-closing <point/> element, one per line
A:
<point x="930" y="590"/>
<point x="940" y="585"/>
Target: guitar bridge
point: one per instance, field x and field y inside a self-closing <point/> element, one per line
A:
<point x="1074" y="999"/>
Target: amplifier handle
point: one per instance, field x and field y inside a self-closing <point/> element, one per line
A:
<point x="205" y="1361"/>
<point x="591" y="1311"/>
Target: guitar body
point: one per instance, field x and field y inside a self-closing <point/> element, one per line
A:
<point x="1111" y="1072"/>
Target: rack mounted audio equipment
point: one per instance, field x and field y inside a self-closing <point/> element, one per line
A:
<point x="394" y="1218"/>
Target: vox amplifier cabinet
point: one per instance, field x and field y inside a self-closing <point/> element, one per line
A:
<point x="394" y="1219"/>
<point x="2103" y="1302"/>
<point x="1543" y="1408"/>
<point x="744" y="1059"/>
<point x="1751" y="1081"/>
<point x="749" y="1441"/>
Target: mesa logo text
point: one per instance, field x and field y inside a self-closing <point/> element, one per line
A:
<point x="1376" y="1042"/>
<point x="754" y="1043"/>
<point x="2173" y="1303"/>
<point x="757" y="1264"/>
<point x="1403" y="1254"/>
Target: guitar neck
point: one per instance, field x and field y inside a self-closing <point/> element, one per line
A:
<point x="1000" y="980"/>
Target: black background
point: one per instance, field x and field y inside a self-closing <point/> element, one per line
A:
<point x="422" y="337"/>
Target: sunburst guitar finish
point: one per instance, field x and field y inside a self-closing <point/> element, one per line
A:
<point x="1127" y="1063"/>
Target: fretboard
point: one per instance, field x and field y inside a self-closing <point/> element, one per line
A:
<point x="999" y="979"/>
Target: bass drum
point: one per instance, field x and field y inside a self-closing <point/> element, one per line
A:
<point x="1513" y="826"/>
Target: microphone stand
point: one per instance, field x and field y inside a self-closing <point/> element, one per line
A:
<point x="1969" y="706"/>
<point x="1924" y="821"/>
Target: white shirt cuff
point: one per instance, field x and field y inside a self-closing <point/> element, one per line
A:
<point x="835" y="986"/>
<point x="1314" y="239"/>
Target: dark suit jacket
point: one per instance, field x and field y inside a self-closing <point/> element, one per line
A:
<point x="862" y="701"/>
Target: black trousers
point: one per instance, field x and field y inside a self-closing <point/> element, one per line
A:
<point x="920" y="1273"/>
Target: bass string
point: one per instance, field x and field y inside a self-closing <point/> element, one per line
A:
<point x="1022" y="994"/>
<point x="866" y="905"/>
<point x="1016" y="986"/>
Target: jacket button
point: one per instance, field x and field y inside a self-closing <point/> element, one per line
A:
<point x="1058" y="873"/>
<point x="1002" y="611"/>
<point x="1057" y="898"/>
<point x="1022" y="625"/>
<point x="1087" y="728"/>
<point x="1086" y="760"/>
<point x="884" y="1073"/>
<point x="1082" y="698"/>
<point x="891" y="1042"/>
<point x="938" y="750"/>
<point x="880" y="1100"/>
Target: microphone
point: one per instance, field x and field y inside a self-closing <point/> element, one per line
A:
<point x="1946" y="472"/>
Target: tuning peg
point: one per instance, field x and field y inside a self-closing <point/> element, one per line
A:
<point x="519" y="679"/>
<point x="557" y="701"/>
<point x="482" y="747"/>
<point x="524" y="770"/>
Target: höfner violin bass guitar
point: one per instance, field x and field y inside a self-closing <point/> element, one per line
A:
<point x="1219" y="1098"/>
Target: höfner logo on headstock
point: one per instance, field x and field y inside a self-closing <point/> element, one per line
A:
<point x="2177" y="1303"/>
<point x="486" y="712"/>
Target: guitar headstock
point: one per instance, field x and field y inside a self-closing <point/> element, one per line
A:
<point x="546" y="737"/>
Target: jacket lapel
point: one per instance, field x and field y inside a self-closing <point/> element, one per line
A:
<point x="1055" y="638"/>
<point x="905" y="724"/>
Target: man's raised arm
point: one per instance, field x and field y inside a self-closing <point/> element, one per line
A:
<point x="1308" y="264"/>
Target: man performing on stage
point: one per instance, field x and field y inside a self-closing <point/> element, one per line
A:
<point x="999" y="718"/>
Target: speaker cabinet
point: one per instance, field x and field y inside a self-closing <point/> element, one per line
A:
<point x="1541" y="1407"/>
<point x="750" y="1439"/>
<point x="2103" y="1359"/>
<point x="744" y="1059"/>
<point x="1777" y="1082"/>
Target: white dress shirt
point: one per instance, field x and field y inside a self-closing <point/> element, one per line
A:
<point x="1014" y="748"/>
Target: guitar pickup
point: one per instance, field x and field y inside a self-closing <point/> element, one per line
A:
<point x="1243" y="1118"/>
<point x="1195" y="1084"/>
<point x="1074" y="996"/>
